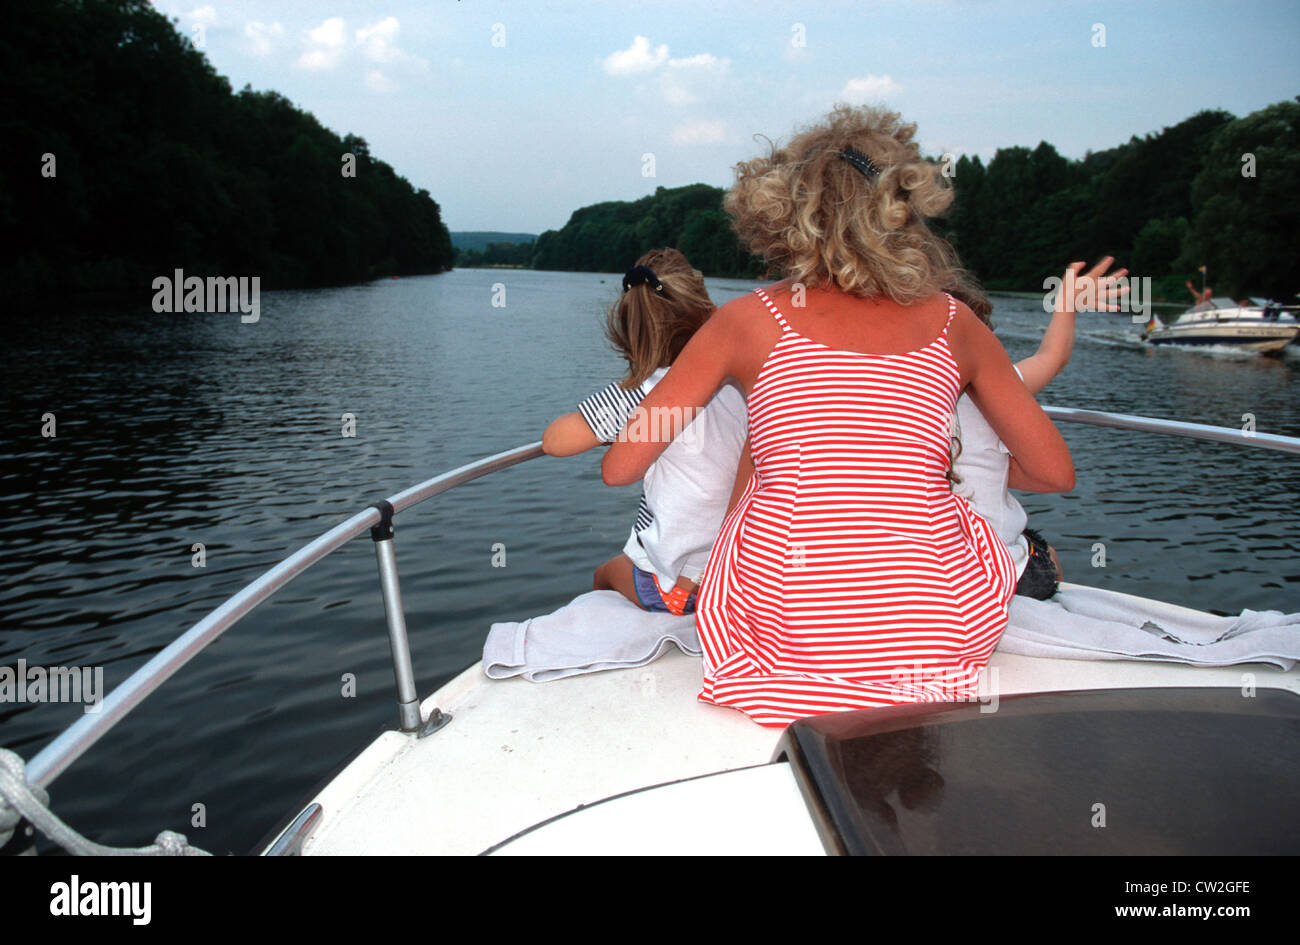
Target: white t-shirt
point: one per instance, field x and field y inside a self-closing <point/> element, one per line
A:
<point x="685" y="492"/>
<point x="982" y="465"/>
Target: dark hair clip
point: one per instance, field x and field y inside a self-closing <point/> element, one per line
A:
<point x="640" y="274"/>
<point x="861" y="162"/>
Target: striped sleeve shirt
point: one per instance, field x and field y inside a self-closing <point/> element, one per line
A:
<point x="607" y="412"/>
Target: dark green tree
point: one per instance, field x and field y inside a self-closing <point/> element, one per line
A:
<point x="1246" y="226"/>
<point x="158" y="166"/>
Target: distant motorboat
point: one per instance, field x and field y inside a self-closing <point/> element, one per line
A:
<point x="1261" y="326"/>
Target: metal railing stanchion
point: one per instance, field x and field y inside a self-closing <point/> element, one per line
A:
<point x="408" y="700"/>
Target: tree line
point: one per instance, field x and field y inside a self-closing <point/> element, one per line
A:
<point x="505" y="254"/>
<point x="1213" y="190"/>
<point x="127" y="156"/>
<point x="608" y="237"/>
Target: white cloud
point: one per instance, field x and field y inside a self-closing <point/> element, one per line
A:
<point x="330" y="34"/>
<point x="701" y="61"/>
<point x="329" y="44"/>
<point x="680" y="81"/>
<point x="376" y="41"/>
<point x="261" y="38"/>
<point x="325" y="45"/>
<point x="638" y="57"/>
<point x="699" y="132"/>
<point x="203" y="16"/>
<point x="376" y="81"/>
<point x="869" y="88"/>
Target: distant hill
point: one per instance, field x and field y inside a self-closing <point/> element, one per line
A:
<point x="609" y="236"/>
<point x="479" y="239"/>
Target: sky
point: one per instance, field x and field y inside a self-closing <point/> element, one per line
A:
<point x="515" y="113"/>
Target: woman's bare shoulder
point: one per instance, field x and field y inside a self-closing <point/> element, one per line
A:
<point x="966" y="325"/>
<point x="741" y="311"/>
<point x="745" y="328"/>
<point x="972" y="341"/>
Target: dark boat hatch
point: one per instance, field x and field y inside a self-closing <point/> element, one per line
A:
<point x="1112" y="772"/>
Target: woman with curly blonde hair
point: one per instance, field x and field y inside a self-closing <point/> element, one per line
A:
<point x="847" y="574"/>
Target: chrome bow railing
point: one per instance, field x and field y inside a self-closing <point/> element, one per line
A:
<point x="1196" y="431"/>
<point x="52" y="760"/>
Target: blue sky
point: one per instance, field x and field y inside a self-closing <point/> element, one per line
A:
<point x="514" y="113"/>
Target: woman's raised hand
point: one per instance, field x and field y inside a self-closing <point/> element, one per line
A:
<point x="1093" y="291"/>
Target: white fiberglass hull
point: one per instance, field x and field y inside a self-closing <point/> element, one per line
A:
<point x="1243" y="328"/>
<point x="517" y="754"/>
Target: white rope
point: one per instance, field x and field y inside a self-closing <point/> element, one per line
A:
<point x="18" y="799"/>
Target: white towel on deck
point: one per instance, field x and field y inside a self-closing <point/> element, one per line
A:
<point x="1087" y="623"/>
<point x="604" y="630"/>
<point x="599" y="630"/>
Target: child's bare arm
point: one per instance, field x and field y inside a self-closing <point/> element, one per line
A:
<point x="569" y="435"/>
<point x="1053" y="352"/>
<point x="1091" y="290"/>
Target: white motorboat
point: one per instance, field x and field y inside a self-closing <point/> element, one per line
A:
<point x="1262" y="326"/>
<point x="1187" y="759"/>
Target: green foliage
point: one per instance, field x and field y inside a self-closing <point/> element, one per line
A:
<point x="711" y="245"/>
<point x="1028" y="213"/>
<point x="1158" y="246"/>
<point x="479" y="239"/>
<point x="159" y="166"/>
<point x="1247" y="228"/>
<point x="515" y="255"/>
<point x="609" y="237"/>
<point x="1012" y="228"/>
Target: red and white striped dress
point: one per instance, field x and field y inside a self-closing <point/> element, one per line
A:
<point x="848" y="575"/>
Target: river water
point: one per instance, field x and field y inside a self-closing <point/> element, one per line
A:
<point x="174" y="430"/>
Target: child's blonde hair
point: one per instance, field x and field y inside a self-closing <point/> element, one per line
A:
<point x="649" y="327"/>
<point x="822" y="220"/>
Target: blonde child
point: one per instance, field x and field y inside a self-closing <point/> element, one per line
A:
<point x="685" y="492"/>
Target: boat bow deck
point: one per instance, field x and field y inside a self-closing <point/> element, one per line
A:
<point x="518" y="753"/>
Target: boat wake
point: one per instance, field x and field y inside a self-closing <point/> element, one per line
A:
<point x="1224" y="352"/>
<point x="1113" y="337"/>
